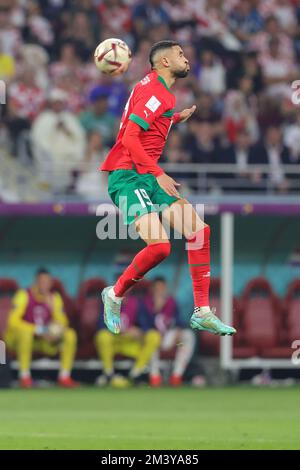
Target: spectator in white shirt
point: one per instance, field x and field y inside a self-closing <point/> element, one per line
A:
<point x="58" y="144"/>
<point x="292" y="139"/>
<point x="10" y="36"/>
<point x="278" y="70"/>
<point x="274" y="153"/>
<point x="212" y="74"/>
<point x="92" y="183"/>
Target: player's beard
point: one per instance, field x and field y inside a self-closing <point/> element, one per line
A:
<point x="181" y="73"/>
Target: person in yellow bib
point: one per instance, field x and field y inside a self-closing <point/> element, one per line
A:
<point x="7" y="65"/>
<point x="134" y="342"/>
<point x="37" y="323"/>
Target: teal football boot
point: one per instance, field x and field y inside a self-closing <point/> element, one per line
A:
<point x="112" y="311"/>
<point x="210" y="322"/>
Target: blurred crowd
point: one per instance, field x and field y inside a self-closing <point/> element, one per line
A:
<point x="62" y="115"/>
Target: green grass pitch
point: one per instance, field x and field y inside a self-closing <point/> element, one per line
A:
<point x="89" y="418"/>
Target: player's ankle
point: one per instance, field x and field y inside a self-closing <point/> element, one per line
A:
<point x="114" y="296"/>
<point x="155" y="380"/>
<point x="175" y="380"/>
<point x="108" y="375"/>
<point x="135" y="373"/>
<point x="25" y="374"/>
<point x="26" y="382"/>
<point x="64" y="374"/>
<point x="202" y="310"/>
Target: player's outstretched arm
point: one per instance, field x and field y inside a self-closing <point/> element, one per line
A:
<point x="131" y="140"/>
<point x="185" y="114"/>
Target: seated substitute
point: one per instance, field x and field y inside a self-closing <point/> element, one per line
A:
<point x="37" y="323"/>
<point x="160" y="311"/>
<point x="133" y="342"/>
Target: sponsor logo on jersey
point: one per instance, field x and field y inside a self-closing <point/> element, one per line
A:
<point x="153" y="104"/>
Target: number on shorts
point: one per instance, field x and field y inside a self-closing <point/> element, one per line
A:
<point x="143" y="197"/>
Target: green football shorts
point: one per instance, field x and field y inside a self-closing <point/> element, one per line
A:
<point x="136" y="195"/>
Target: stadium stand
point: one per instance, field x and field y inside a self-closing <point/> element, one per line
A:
<point x="88" y="305"/>
<point x="244" y="57"/>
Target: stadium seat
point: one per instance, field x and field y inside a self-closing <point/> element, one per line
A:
<point x="140" y="288"/>
<point x="260" y="317"/>
<point x="88" y="306"/>
<point x="69" y="304"/>
<point x="8" y="287"/>
<point x="290" y="322"/>
<point x="210" y="344"/>
<point x="292" y="310"/>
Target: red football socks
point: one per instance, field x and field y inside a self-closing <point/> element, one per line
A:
<point x="145" y="260"/>
<point x="199" y="261"/>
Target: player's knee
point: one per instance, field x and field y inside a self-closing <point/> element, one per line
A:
<point x="166" y="249"/>
<point x="70" y="336"/>
<point x="153" y="337"/>
<point x="199" y="238"/>
<point x="104" y="338"/>
<point x="24" y="334"/>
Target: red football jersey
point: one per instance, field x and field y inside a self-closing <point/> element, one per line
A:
<point x="151" y="106"/>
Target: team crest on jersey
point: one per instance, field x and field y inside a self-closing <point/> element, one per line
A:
<point x="153" y="104"/>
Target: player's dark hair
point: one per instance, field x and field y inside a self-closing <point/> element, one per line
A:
<point x="159" y="46"/>
<point x="41" y="271"/>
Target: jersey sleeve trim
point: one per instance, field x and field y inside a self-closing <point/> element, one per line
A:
<point x="169" y="113"/>
<point x="138" y="120"/>
<point x="176" y="118"/>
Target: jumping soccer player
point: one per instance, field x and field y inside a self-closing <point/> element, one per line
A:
<point x="141" y="189"/>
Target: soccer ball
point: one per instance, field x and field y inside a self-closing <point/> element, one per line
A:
<point x="111" y="54"/>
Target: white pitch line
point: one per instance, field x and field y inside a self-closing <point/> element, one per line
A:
<point x="141" y="438"/>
